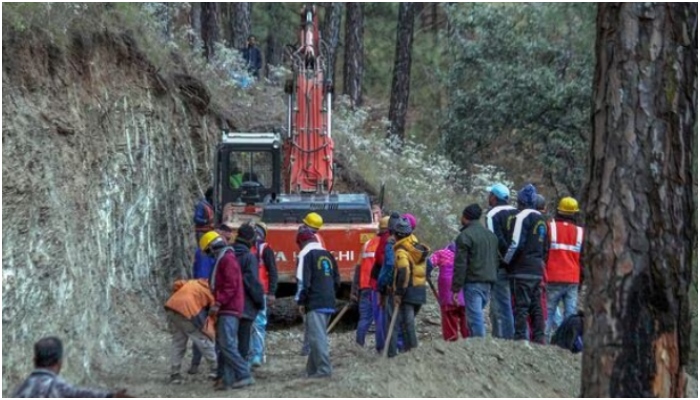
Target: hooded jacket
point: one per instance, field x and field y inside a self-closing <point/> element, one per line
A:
<point x="254" y="292"/>
<point x="226" y="283"/>
<point x="192" y="299"/>
<point x="444" y="259"/>
<point x="409" y="279"/>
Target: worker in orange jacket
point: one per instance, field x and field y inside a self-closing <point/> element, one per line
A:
<point x="187" y="310"/>
<point x="563" y="268"/>
<point x="362" y="284"/>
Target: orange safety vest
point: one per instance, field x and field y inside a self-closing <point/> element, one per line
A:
<point x="367" y="261"/>
<point x="563" y="262"/>
<point x="262" y="268"/>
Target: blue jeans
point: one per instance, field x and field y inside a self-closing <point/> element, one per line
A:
<point x="380" y="322"/>
<point x="476" y="297"/>
<point x="560" y="292"/>
<point x="366" y="315"/>
<point x="232" y="366"/>
<point x="404" y="328"/>
<point x="501" y="313"/>
<point x="257" y="337"/>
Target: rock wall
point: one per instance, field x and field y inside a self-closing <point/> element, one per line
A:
<point x="103" y="160"/>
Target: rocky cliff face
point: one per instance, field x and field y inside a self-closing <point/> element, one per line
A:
<point x="103" y="160"/>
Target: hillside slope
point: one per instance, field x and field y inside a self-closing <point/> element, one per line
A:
<point x="103" y="158"/>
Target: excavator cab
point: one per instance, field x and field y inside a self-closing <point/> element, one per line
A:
<point x="247" y="173"/>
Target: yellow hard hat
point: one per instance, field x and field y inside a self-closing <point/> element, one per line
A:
<point x="313" y="220"/>
<point x="384" y="222"/>
<point x="207" y="239"/>
<point x="568" y="205"/>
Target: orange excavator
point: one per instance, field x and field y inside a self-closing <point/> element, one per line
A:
<point x="278" y="178"/>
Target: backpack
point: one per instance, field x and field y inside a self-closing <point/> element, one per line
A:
<point x="570" y="334"/>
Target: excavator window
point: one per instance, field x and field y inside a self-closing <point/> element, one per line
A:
<point x="250" y="168"/>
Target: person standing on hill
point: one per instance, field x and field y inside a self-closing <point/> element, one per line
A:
<point x="564" y="270"/>
<point x="318" y="282"/>
<point x="525" y="258"/>
<point x="475" y="268"/>
<point x="252" y="57"/>
<point x="453" y="316"/>
<point x="501" y="310"/>
<point x="204" y="214"/>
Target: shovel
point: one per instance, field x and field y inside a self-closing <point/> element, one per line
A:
<point x="338" y="318"/>
<point x="389" y="333"/>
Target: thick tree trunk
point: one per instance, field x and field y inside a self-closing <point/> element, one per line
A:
<point x="331" y="35"/>
<point x="353" y="69"/>
<point x="639" y="201"/>
<point x="209" y="27"/>
<point x="401" y="81"/>
<point x="240" y="24"/>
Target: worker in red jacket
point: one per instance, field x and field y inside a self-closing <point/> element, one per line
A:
<point x="226" y="284"/>
<point x="563" y="268"/>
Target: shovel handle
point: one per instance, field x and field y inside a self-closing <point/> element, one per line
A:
<point x="338" y="318"/>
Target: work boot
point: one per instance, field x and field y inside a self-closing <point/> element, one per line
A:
<point x="194" y="369"/>
<point x="176" y="379"/>
<point x="256" y="362"/>
<point x="243" y="383"/>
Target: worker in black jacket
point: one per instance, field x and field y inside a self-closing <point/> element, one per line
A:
<point x="316" y="299"/>
<point x="525" y="259"/>
<point x="254" y="295"/>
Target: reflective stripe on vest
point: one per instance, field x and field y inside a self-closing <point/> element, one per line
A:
<point x="554" y="245"/>
<point x="262" y="268"/>
<point x="492" y="213"/>
<point x="367" y="261"/>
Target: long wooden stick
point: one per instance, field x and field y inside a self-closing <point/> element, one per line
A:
<point x="338" y="318"/>
<point x="385" y="354"/>
<point x="432" y="288"/>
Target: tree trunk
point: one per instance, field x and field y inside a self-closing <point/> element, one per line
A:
<point x="401" y="81"/>
<point x="274" y="49"/>
<point x="210" y="28"/>
<point x="196" y="23"/>
<point x="331" y="35"/>
<point x="639" y="201"/>
<point x="354" y="53"/>
<point x="240" y="24"/>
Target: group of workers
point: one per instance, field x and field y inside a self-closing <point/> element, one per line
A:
<point x="223" y="308"/>
<point x="515" y="258"/>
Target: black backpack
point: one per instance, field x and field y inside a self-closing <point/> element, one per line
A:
<point x="570" y="334"/>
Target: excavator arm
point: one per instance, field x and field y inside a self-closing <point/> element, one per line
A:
<point x="309" y="145"/>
